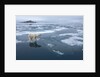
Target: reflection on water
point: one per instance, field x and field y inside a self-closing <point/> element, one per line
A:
<point x="34" y="44"/>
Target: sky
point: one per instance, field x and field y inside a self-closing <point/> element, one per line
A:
<point x="50" y="18"/>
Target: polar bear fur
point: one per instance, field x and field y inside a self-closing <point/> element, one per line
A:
<point x="33" y="37"/>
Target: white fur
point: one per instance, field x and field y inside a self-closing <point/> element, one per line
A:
<point x="33" y="37"/>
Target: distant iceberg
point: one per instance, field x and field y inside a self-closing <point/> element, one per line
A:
<point x="29" y="21"/>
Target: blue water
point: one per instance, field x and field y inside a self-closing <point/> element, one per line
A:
<point x="26" y="52"/>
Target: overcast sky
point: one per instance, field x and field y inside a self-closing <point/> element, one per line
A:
<point x="50" y="18"/>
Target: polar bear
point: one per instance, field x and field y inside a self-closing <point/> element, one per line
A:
<point x="33" y="37"/>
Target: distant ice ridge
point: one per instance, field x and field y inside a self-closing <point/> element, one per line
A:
<point x="41" y="32"/>
<point x="74" y="39"/>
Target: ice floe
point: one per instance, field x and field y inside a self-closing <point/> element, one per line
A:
<point x="17" y="41"/>
<point x="50" y="45"/>
<point x="73" y="41"/>
<point x="59" y="29"/>
<point x="58" y="52"/>
<point x="72" y="34"/>
<point x="79" y="32"/>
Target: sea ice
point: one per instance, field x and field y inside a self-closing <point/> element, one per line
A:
<point x="50" y="45"/>
<point x="58" y="52"/>
<point x="17" y="41"/>
<point x="73" y="41"/>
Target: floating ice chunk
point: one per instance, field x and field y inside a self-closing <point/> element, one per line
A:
<point x="38" y="39"/>
<point x="50" y="45"/>
<point x="58" y="52"/>
<point x="80" y="31"/>
<point x="17" y="41"/>
<point x="71" y="34"/>
<point x="77" y="38"/>
<point x="40" y="28"/>
<point x="63" y="34"/>
<point x="73" y="41"/>
<point x="59" y="29"/>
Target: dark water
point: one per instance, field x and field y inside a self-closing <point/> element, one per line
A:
<point x="40" y="51"/>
